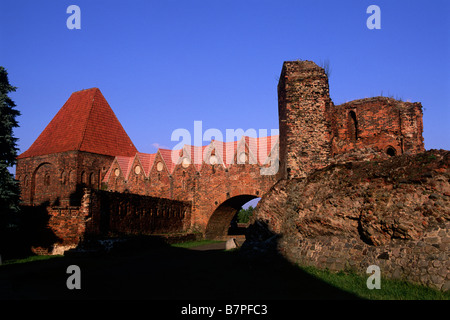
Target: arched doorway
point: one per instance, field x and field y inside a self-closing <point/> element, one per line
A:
<point x="220" y="220"/>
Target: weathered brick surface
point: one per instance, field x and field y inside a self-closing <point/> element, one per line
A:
<point x="303" y="108"/>
<point x="314" y="132"/>
<point x="112" y="213"/>
<point x="103" y="214"/>
<point x="379" y="123"/>
<point x="419" y="261"/>
<point x="65" y="228"/>
<point x="392" y="213"/>
<point x="58" y="179"/>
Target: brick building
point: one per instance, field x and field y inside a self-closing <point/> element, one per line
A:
<point x="85" y="148"/>
<point x="74" y="150"/>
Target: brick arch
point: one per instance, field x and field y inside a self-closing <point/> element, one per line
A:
<point x="41" y="183"/>
<point x="352" y="125"/>
<point x="220" y="219"/>
<point x="91" y="179"/>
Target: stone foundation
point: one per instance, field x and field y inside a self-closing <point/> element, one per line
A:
<point x="424" y="262"/>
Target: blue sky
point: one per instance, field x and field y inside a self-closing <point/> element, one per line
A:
<point x="162" y="65"/>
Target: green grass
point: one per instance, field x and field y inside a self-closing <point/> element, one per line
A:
<point x="191" y="244"/>
<point x="29" y="259"/>
<point x="390" y="289"/>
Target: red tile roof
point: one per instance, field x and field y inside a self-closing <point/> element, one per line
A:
<point x="125" y="164"/>
<point x="259" y="151"/>
<point x="147" y="160"/>
<point x="166" y="155"/>
<point x="86" y="122"/>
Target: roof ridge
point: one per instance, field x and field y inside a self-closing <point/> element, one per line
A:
<point x="87" y="119"/>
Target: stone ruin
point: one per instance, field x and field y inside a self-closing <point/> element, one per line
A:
<point x="357" y="186"/>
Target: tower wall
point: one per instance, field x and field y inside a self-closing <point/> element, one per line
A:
<point x="303" y="106"/>
<point x="58" y="179"/>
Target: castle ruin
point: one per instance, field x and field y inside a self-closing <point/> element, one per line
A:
<point x="85" y="171"/>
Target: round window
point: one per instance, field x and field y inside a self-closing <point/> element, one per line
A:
<point x="242" y="157"/>
<point x="137" y="169"/>
<point x="159" y="166"/>
<point x="186" y="162"/>
<point x="213" y="160"/>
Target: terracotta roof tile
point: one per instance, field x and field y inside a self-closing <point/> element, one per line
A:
<point x="166" y="155"/>
<point x="125" y="164"/>
<point x="86" y="122"/>
<point x="147" y="161"/>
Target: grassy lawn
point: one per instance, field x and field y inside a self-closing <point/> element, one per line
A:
<point x="191" y="244"/>
<point x="29" y="259"/>
<point x="390" y="289"/>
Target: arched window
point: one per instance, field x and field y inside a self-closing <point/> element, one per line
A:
<point x="83" y="177"/>
<point x="72" y="177"/>
<point x="47" y="179"/>
<point x="91" y="179"/>
<point x="63" y="178"/>
<point x="352" y="126"/>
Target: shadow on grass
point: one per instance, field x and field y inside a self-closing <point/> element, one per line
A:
<point x="160" y="271"/>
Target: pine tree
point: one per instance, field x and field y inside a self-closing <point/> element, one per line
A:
<point x="9" y="187"/>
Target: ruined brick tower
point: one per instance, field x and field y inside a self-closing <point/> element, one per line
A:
<point x="314" y="132"/>
<point x="303" y="105"/>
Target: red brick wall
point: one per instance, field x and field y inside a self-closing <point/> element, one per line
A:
<point x="64" y="228"/>
<point x="57" y="179"/>
<point x="105" y="213"/>
<point x="206" y="189"/>
<point x="380" y="123"/>
<point x="112" y="213"/>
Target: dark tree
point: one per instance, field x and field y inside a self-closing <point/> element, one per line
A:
<point x="9" y="187"/>
<point x="244" y="215"/>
